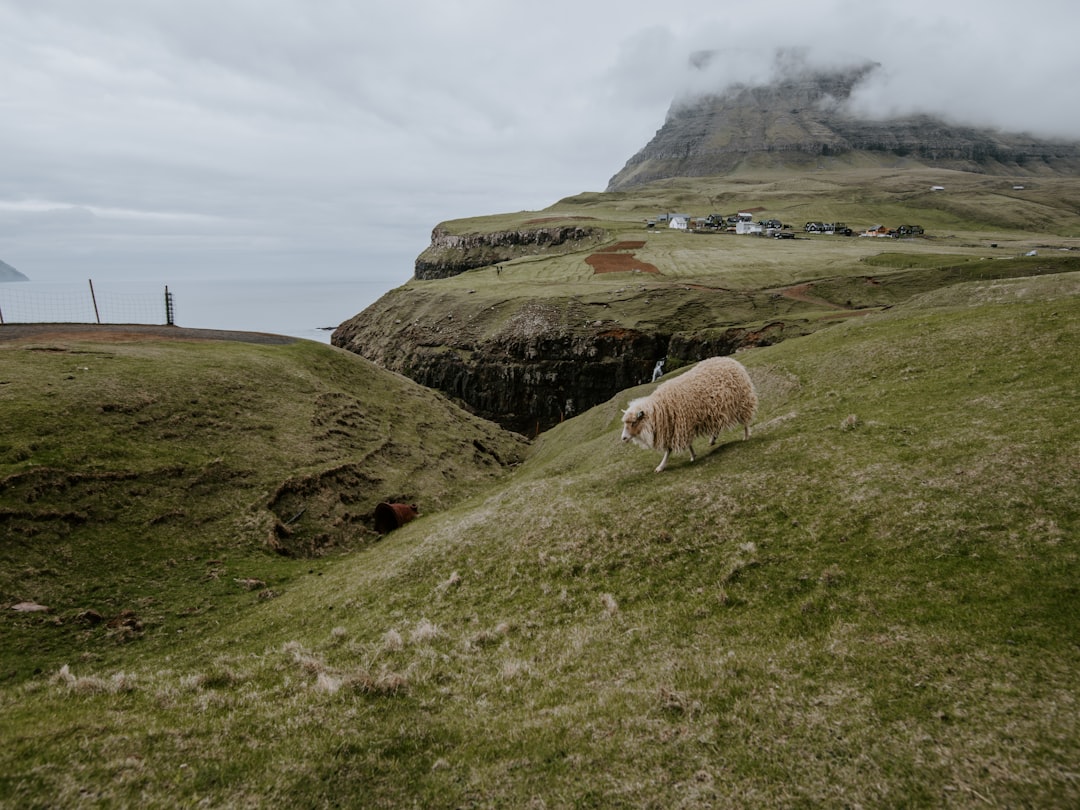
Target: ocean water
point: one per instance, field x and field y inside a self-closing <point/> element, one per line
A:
<point x="309" y="308"/>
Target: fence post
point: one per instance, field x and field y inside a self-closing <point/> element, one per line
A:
<point x="94" y="299"/>
<point x="168" y="307"/>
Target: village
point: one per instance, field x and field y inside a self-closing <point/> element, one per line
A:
<point x="744" y="223"/>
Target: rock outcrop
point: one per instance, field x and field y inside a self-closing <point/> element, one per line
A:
<point x="450" y="254"/>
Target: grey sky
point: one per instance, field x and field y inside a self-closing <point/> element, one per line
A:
<point x="172" y="138"/>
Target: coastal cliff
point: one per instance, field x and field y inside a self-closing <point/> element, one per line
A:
<point x="527" y="363"/>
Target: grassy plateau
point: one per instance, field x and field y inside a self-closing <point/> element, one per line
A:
<point x="873" y="602"/>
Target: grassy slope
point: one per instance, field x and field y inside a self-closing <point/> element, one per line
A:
<point x="142" y="483"/>
<point x="873" y="602"/>
<point x="973" y="206"/>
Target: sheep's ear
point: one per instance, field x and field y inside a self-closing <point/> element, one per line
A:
<point x="640" y="415"/>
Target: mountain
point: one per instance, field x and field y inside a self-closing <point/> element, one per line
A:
<point x="803" y="121"/>
<point x="9" y="273"/>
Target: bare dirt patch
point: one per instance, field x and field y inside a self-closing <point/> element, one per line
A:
<point x="619" y="263"/>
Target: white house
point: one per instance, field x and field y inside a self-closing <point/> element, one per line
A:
<point x="743" y="227"/>
<point x="679" y="222"/>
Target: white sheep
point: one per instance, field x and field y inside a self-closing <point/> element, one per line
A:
<point x="715" y="394"/>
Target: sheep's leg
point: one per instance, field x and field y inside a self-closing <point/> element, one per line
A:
<point x="692" y="456"/>
<point x="663" y="461"/>
<point x="746" y="431"/>
<point x="712" y="440"/>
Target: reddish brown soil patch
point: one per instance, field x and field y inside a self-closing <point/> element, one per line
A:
<point x="618" y="263"/>
<point x="617" y="334"/>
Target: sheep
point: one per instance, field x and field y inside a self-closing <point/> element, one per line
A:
<point x="715" y="394"/>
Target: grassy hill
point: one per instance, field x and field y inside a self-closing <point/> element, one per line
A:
<point x="873" y="602"/>
<point x="151" y="488"/>
<point x="968" y="208"/>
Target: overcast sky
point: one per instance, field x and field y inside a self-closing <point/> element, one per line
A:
<point x="173" y="138"/>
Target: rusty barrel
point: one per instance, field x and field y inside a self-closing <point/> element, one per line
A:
<point x="390" y="516"/>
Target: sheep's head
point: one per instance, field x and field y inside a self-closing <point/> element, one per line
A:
<point x="636" y="425"/>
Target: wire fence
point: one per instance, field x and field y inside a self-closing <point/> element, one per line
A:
<point x="64" y="303"/>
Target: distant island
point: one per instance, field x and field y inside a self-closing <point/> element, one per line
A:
<point x="9" y="273"/>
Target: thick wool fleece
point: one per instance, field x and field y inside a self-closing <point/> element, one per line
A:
<point x="714" y="395"/>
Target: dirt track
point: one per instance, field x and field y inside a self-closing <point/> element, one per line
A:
<point x="801" y="292"/>
<point x="124" y="332"/>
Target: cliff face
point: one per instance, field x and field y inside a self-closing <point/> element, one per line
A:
<point x="528" y="363"/>
<point x="450" y="254"/>
<point x="800" y="120"/>
<point x="523" y="364"/>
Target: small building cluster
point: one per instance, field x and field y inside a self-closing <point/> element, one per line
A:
<point x="741" y="223"/>
<point x="744" y="223"/>
<point x="893" y="233"/>
<point x="830" y="228"/>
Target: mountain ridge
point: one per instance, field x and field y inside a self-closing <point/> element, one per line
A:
<point x="806" y="120"/>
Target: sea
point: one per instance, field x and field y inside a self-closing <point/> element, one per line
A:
<point x="310" y="308"/>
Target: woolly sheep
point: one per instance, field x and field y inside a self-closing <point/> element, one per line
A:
<point x="715" y="394"/>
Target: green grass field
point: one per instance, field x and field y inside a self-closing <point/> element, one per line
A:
<point x="872" y="602"/>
